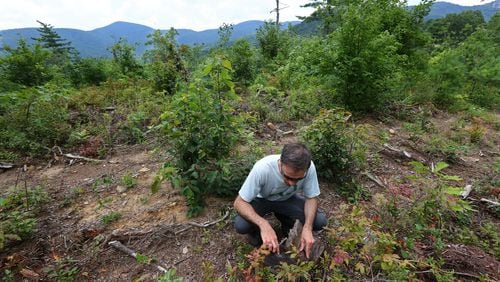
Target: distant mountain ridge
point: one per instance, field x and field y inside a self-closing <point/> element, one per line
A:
<point x="441" y="9"/>
<point x="94" y="43"/>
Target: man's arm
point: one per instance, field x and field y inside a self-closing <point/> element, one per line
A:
<point x="267" y="233"/>
<point x="307" y="238"/>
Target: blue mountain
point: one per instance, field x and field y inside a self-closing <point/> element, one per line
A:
<point x="94" y="43"/>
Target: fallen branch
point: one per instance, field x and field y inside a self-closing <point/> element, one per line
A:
<point x="77" y="157"/>
<point x="73" y="156"/>
<point x="182" y="260"/>
<point x="165" y="229"/>
<point x="484" y="200"/>
<point x="490" y="202"/>
<point x="207" y="224"/>
<point x="401" y="153"/>
<point x="278" y="133"/>
<point x="124" y="249"/>
<point x="375" y="179"/>
<point x="6" y="165"/>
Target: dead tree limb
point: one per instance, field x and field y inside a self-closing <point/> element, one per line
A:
<point x="375" y="179"/>
<point x="278" y="133"/>
<point x="57" y="149"/>
<point x="490" y="202"/>
<point x="124" y="249"/>
<point x="6" y="165"/>
<point x="397" y="152"/>
<point x="77" y="157"/>
<point x="207" y="224"/>
<point x="116" y="235"/>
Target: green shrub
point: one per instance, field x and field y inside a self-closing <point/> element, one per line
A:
<point x="169" y="276"/>
<point x="36" y="119"/>
<point x="203" y="130"/>
<point x="332" y="141"/>
<point x="29" y="198"/>
<point x="19" y="207"/>
<point x="110" y="217"/>
<point x="65" y="270"/>
<point x="128" y="180"/>
<point x="131" y="131"/>
<point x="268" y="103"/>
<point x="19" y="224"/>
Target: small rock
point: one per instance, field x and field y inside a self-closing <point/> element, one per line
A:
<point x="143" y="170"/>
<point x="30" y="274"/>
<point x="85" y="203"/>
<point x="392" y="131"/>
<point x="121" y="189"/>
<point x="185" y="250"/>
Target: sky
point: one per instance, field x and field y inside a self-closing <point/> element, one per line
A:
<point x="158" y="14"/>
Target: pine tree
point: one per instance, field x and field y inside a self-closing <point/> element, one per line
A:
<point x="61" y="49"/>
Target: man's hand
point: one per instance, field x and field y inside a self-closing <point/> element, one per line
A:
<point x="306" y="241"/>
<point x="269" y="238"/>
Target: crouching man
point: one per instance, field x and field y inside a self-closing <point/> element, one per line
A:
<point x="272" y="187"/>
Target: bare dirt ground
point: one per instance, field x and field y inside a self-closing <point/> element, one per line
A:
<point x="70" y="232"/>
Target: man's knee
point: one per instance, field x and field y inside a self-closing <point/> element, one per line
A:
<point x="320" y="221"/>
<point x="242" y="225"/>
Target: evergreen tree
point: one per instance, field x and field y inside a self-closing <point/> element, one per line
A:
<point x="51" y="40"/>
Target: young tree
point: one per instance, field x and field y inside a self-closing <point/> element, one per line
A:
<point x="124" y="58"/>
<point x="225" y="31"/>
<point x="242" y="56"/>
<point x="376" y="43"/>
<point x="268" y="40"/>
<point x="470" y="71"/>
<point x="325" y="12"/>
<point x="26" y="65"/>
<point x="165" y="62"/>
<point x="89" y="71"/>
<point x="455" y="28"/>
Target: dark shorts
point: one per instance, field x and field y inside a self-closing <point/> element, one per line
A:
<point x="285" y="211"/>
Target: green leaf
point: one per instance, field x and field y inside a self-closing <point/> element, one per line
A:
<point x="155" y="186"/>
<point x="453" y="190"/>
<point x="419" y="167"/>
<point x="208" y="68"/>
<point x="451" y="177"/>
<point x="440" y="166"/>
<point x="227" y="64"/>
<point x="142" y="258"/>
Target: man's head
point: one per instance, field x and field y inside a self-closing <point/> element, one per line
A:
<point x="296" y="156"/>
<point x="294" y="162"/>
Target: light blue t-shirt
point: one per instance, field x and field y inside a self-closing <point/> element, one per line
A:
<point x="266" y="181"/>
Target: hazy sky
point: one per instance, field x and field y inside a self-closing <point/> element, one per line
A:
<point x="158" y="14"/>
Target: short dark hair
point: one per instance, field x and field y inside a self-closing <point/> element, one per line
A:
<point x="296" y="155"/>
